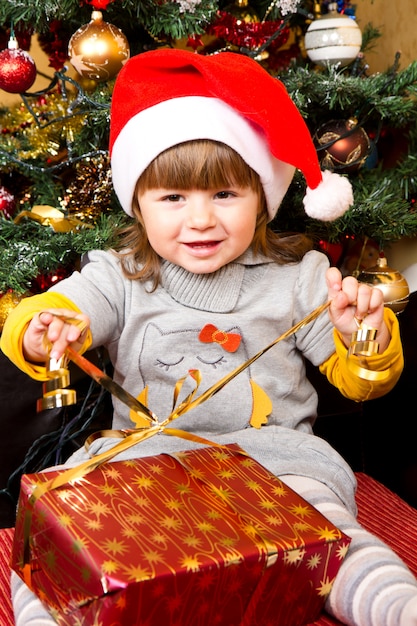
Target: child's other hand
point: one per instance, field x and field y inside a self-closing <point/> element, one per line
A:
<point x="49" y="329"/>
<point x="351" y="299"/>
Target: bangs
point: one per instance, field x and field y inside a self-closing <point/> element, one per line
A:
<point x="200" y="164"/>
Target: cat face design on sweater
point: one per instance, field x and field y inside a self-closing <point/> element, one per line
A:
<point x="167" y="356"/>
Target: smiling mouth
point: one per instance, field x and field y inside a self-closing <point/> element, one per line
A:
<point x="201" y="245"/>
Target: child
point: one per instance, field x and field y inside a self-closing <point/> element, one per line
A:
<point x="203" y="150"/>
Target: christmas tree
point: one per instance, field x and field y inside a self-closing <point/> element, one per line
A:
<point x="56" y="200"/>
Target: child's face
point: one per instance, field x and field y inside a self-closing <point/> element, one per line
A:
<point x="199" y="230"/>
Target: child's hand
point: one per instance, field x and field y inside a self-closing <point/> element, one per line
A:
<point x="352" y="303"/>
<point x="48" y="334"/>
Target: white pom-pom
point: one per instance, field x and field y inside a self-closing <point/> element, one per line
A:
<point x="331" y="199"/>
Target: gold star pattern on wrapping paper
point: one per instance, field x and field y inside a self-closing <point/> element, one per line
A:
<point x="65" y="520"/>
<point x="327" y="534"/>
<point x="129" y="533"/>
<point x="274" y="520"/>
<point x="302" y="510"/>
<point x="159" y="538"/>
<point x="115" y="546"/>
<point x="99" y="508"/>
<point x="65" y="494"/>
<point x="226" y="474"/>
<point x="144" y="482"/>
<point x="253" y="485"/>
<point x="205" y="527"/>
<point x="156" y="469"/>
<point x="136" y="517"/>
<point x="192" y="541"/>
<point x="280" y="491"/>
<point x="138" y="572"/>
<point x="294" y="557"/>
<point x="153" y="556"/>
<point x="109" y="566"/>
<point x="183" y="489"/>
<point x="109" y="490"/>
<point x="223" y="492"/>
<point x="197" y="474"/>
<point x="141" y="502"/>
<point x="325" y="587"/>
<point x="112" y="472"/>
<point x="79" y="544"/>
<point x="174" y="505"/>
<point x="214" y="515"/>
<point x="314" y="561"/>
<point x="342" y="551"/>
<point x="190" y="563"/>
<point x="267" y="505"/>
<point x="170" y="523"/>
<point x="85" y="574"/>
<point x="51" y="560"/>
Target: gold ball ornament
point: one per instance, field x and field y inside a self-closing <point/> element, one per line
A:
<point x="98" y="50"/>
<point x="391" y="282"/>
<point x="333" y="39"/>
<point x="8" y="301"/>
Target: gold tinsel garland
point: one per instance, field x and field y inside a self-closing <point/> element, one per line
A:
<point x="89" y="193"/>
<point x="41" y="130"/>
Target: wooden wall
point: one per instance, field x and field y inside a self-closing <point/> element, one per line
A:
<point x="397" y="22"/>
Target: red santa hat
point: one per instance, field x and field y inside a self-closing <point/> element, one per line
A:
<point x="166" y="97"/>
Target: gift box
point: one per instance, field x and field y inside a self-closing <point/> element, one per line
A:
<point x="196" y="538"/>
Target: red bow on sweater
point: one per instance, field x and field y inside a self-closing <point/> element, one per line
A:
<point x="228" y="341"/>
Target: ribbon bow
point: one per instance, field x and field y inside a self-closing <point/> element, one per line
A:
<point x="228" y="341"/>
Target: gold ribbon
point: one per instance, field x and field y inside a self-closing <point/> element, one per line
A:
<point x="50" y="216"/>
<point x="364" y="344"/>
<point x="133" y="436"/>
<point x="54" y="389"/>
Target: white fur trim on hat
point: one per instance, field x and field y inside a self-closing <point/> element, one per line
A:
<point x="175" y="121"/>
<point x="328" y="201"/>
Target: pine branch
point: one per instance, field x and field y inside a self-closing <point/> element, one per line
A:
<point x="29" y="249"/>
<point x="170" y="19"/>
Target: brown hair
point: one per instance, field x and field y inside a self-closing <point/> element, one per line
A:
<point x="200" y="164"/>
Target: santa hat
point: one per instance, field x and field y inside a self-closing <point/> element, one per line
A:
<point x="166" y="97"/>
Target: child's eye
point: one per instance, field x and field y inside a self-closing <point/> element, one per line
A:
<point x="224" y="194"/>
<point x="173" y="197"/>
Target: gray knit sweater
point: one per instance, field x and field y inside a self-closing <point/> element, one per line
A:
<point x="155" y="338"/>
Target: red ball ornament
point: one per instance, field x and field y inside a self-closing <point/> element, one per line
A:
<point x="17" y="68"/>
<point x="342" y="145"/>
<point x="44" y="281"/>
<point x="7" y="203"/>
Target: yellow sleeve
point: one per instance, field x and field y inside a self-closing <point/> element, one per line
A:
<point x="11" y="341"/>
<point x="350" y="384"/>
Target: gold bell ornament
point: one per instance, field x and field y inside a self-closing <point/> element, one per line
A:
<point x="391" y="282"/>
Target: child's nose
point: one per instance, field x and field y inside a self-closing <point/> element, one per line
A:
<point x="200" y="213"/>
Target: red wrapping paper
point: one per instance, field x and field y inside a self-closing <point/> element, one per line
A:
<point x="198" y="538"/>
